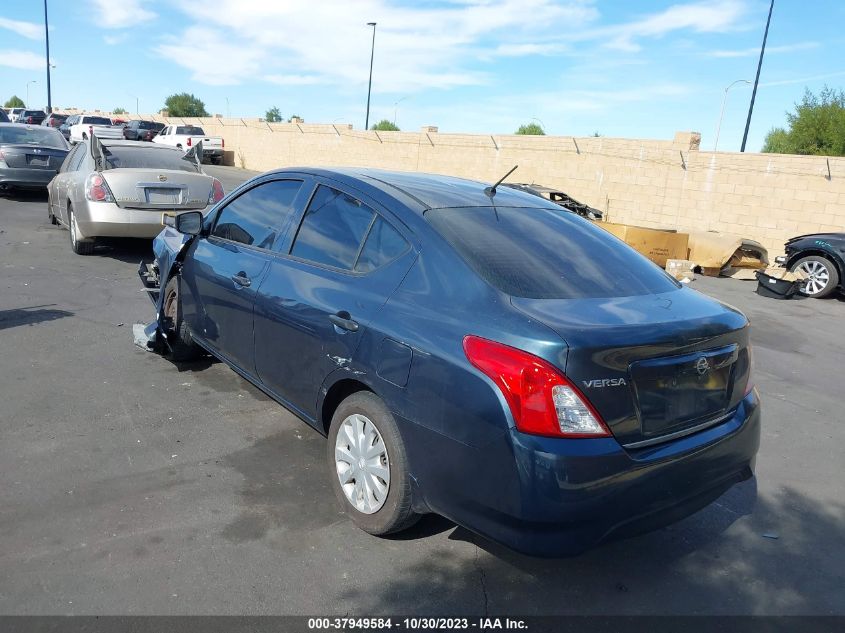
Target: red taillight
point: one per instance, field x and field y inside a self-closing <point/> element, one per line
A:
<point x="222" y="143"/>
<point x="189" y="141"/>
<point x="96" y="189"/>
<point x="216" y="192"/>
<point x="29" y="119"/>
<point x="542" y="400"/>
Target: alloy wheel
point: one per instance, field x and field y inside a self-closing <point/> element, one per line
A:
<point x="817" y="276"/>
<point x="362" y="464"/>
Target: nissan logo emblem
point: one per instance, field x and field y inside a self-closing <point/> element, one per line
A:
<point x="702" y="366"/>
<point x="162" y="177"/>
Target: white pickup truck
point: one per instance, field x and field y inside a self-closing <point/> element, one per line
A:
<point x="84" y="126"/>
<point x="187" y="136"/>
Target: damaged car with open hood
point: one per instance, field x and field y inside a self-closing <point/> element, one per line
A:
<point x="118" y="188"/>
<point x="469" y="350"/>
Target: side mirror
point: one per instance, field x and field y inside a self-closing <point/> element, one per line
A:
<point x="189" y="223"/>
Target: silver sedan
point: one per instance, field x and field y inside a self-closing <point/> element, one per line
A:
<point x="123" y="189"/>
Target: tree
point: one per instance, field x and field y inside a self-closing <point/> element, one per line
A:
<point x="273" y="115"/>
<point x="184" y="104"/>
<point x="817" y="126"/>
<point x="385" y="126"/>
<point x="295" y="116"/>
<point x="119" y="111"/>
<point x="15" y="102"/>
<point x="531" y="129"/>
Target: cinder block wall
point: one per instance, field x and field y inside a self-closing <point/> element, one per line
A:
<point x="664" y="184"/>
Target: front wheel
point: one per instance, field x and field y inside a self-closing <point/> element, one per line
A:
<point x="182" y="346"/>
<point x="368" y="465"/>
<point x="822" y="276"/>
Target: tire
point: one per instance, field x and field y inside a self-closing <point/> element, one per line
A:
<point x="383" y="504"/>
<point x="823" y="277"/>
<point x="182" y="346"/>
<point x="78" y="246"/>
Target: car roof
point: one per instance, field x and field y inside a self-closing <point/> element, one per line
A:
<point x="430" y="191"/>
<point x="123" y="143"/>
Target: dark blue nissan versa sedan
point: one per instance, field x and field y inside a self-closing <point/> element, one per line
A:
<point x="475" y="352"/>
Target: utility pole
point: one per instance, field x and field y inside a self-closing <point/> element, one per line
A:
<point x="370" y="85"/>
<point x="757" y="78"/>
<point x="47" y="39"/>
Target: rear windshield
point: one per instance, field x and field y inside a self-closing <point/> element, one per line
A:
<point x="190" y="129"/>
<point x="31" y="113"/>
<point x="148" y="158"/>
<point x="27" y="135"/>
<point x="547" y="254"/>
<point x="96" y="120"/>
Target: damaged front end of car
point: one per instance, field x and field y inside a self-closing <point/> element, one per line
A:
<point x="168" y="248"/>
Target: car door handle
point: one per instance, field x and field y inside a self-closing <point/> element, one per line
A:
<point x="344" y="321"/>
<point x="242" y="280"/>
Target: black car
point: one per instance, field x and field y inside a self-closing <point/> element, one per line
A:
<point x="32" y="117"/>
<point x="821" y="257"/>
<point x="4" y="118"/>
<point x="29" y="156"/>
<point x="141" y="130"/>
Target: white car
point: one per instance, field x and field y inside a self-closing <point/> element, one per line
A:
<point x="87" y="125"/>
<point x="14" y="113"/>
<point x="185" y="137"/>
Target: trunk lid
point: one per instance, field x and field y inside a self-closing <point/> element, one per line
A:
<point x="33" y="157"/>
<point x="654" y="366"/>
<point x="161" y="190"/>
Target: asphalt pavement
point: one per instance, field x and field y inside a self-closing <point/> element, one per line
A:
<point x="130" y="485"/>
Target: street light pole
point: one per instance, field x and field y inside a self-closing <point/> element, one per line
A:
<point x="34" y="81"/>
<point x="757" y="78"/>
<point x="47" y="39"/>
<point x="396" y="108"/>
<point x="370" y="85"/>
<point x="722" y="113"/>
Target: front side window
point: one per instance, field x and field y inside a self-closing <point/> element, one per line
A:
<point x="257" y="217"/>
<point x="333" y="229"/>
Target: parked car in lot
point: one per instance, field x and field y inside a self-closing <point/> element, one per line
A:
<point x="121" y="188"/>
<point x="54" y="120"/>
<point x="84" y="126"/>
<point x="14" y="113"/>
<point x="187" y="136"/>
<point x="476" y="352"/>
<point x="821" y="258"/>
<point x="141" y="130"/>
<point x="32" y="117"/>
<point x="4" y="118"/>
<point x="29" y="156"/>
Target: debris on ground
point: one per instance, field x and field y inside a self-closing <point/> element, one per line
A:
<point x="723" y="255"/>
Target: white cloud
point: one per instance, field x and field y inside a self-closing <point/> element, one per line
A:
<point x="113" y="40"/>
<point x="212" y="56"/>
<point x="23" y="60"/>
<point x="26" y="29"/>
<point x="292" y="80"/>
<point x="711" y="16"/>
<point x="118" y="14"/>
<point x="754" y="52"/>
<point x="416" y="47"/>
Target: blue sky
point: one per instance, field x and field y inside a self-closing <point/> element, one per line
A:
<point x="640" y="69"/>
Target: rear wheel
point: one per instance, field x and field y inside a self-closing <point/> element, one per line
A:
<point x="79" y="246"/>
<point x="182" y="346"/>
<point x="368" y="465"/>
<point x="822" y="276"/>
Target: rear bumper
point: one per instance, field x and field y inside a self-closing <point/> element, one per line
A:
<point x="104" y="219"/>
<point x="556" y="497"/>
<point x="26" y="178"/>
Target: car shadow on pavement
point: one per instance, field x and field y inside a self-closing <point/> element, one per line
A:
<point x="125" y="249"/>
<point x="30" y="316"/>
<point x="770" y="563"/>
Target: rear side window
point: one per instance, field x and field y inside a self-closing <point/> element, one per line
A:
<point x="547" y="254"/>
<point x="333" y="229"/>
<point x="383" y="245"/>
<point x="257" y="216"/>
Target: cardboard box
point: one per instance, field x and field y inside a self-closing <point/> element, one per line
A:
<point x="658" y="245"/>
